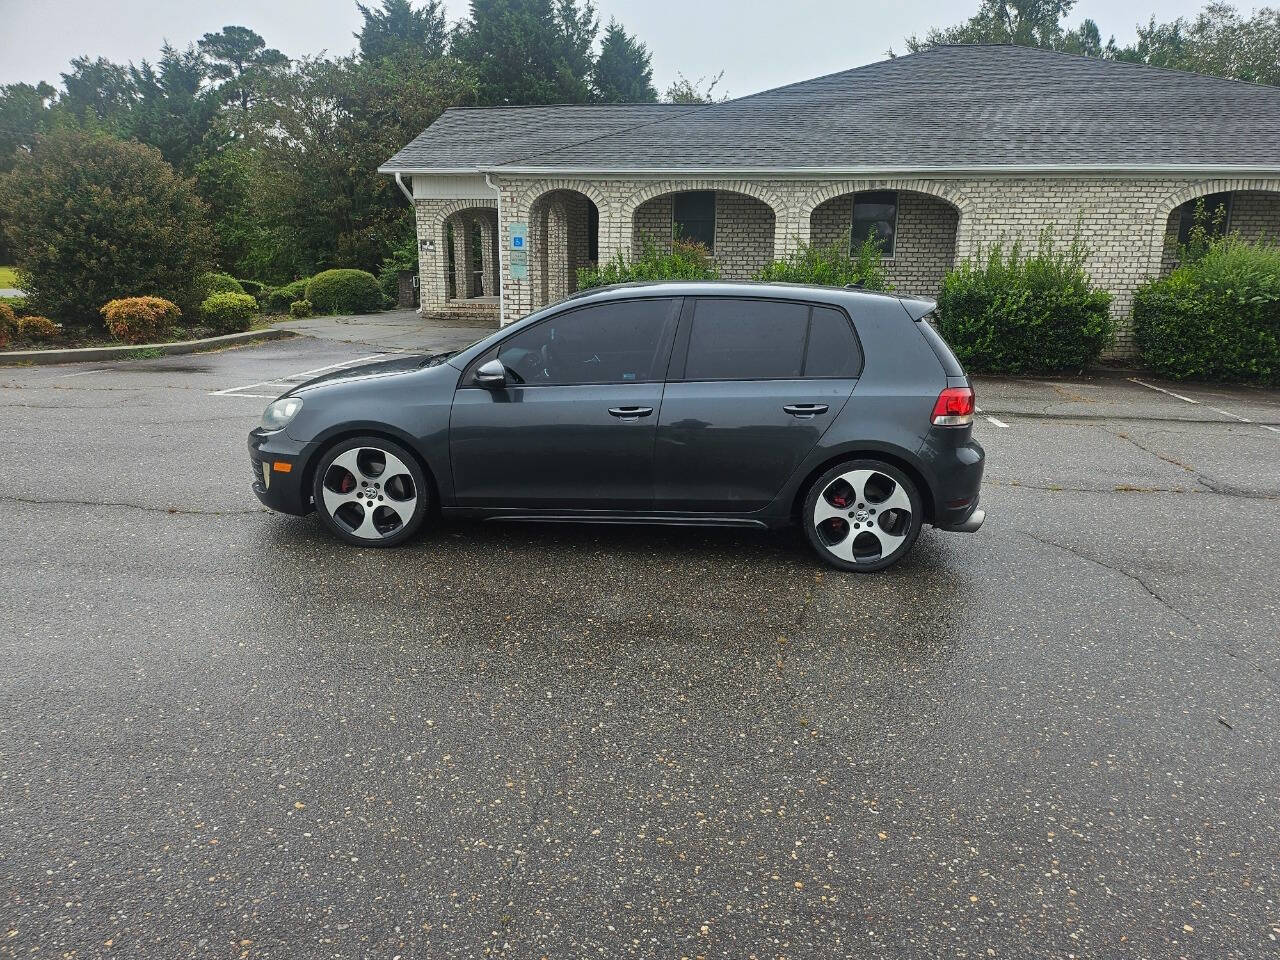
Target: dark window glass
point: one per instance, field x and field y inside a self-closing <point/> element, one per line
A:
<point x="875" y="214"/>
<point x="621" y="342"/>
<point x="747" y="340"/>
<point x="1217" y="211"/>
<point x="833" y="351"/>
<point x="695" y="217"/>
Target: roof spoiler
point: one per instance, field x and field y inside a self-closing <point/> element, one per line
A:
<point x="918" y="307"/>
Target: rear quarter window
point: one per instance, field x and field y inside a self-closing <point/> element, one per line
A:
<point x="950" y="365"/>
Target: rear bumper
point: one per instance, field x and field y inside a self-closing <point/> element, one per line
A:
<point x="957" y="462"/>
<point x="279" y="471"/>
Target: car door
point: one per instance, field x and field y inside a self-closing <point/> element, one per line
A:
<point x="573" y="427"/>
<point x="753" y="386"/>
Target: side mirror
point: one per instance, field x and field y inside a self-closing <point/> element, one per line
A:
<point x="491" y="375"/>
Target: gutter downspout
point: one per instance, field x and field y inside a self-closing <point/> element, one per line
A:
<point x="403" y="189"/>
<point x="497" y="252"/>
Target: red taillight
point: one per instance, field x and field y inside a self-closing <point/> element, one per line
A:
<point x="954" y="407"/>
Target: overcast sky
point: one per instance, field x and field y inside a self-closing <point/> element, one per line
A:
<point x="758" y="43"/>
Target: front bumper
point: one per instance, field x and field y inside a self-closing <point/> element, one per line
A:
<point x="279" y="467"/>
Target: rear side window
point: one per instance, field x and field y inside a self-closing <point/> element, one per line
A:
<point x="833" y="352"/>
<point x="769" y="340"/>
<point x="950" y="365"/>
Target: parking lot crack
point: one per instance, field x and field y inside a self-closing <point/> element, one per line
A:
<point x="1112" y="567"/>
<point x="35" y="501"/>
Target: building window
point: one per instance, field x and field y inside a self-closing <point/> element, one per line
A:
<point x="875" y="214"/>
<point x="694" y="217"/>
<point x="1217" y="211"/>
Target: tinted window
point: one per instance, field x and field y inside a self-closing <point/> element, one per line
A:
<point x="747" y="340"/>
<point x="621" y="342"/>
<point x="695" y="217"/>
<point x="833" y="351"/>
<point x="875" y="214"/>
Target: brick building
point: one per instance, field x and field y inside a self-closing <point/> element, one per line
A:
<point x="937" y="153"/>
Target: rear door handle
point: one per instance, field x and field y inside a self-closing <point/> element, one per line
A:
<point x="630" y="413"/>
<point x="805" y="411"/>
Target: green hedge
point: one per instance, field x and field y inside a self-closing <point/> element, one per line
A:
<point x="830" y="266"/>
<point x="1006" y="312"/>
<point x="211" y="283"/>
<point x="278" y="300"/>
<point x="228" y="312"/>
<point x="684" y="261"/>
<point x="1216" y="317"/>
<point x="344" y="291"/>
<point x="300" y="309"/>
<point x="251" y="287"/>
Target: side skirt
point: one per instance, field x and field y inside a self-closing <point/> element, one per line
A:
<point x="649" y="519"/>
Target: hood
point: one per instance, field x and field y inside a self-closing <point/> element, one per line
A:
<point x="394" y="366"/>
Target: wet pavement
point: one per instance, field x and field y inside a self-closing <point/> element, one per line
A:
<point x="223" y="734"/>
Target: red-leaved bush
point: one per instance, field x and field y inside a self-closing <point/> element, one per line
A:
<point x="140" y="319"/>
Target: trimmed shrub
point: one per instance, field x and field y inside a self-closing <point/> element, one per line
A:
<point x="211" y="283"/>
<point x="1216" y="317"/>
<point x="229" y="312"/>
<point x="8" y="324"/>
<point x="684" y="261"/>
<point x="831" y="266"/>
<point x="251" y="287"/>
<point x="37" y="328"/>
<point x="279" y="299"/>
<point x="17" y="304"/>
<point x="344" y="291"/>
<point x="299" y="309"/>
<point x="140" y="319"/>
<point x="1003" y="312"/>
<point x="90" y="218"/>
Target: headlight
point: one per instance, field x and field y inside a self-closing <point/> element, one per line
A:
<point x="280" y="412"/>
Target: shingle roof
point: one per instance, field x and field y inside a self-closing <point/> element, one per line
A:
<point x="490" y="136"/>
<point x="951" y="106"/>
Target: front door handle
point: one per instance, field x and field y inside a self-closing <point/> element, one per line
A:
<point x="630" y="413"/>
<point x="805" y="411"/>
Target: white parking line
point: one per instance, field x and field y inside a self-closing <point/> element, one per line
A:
<point x="1151" y="386"/>
<point x="998" y="423"/>
<point x="285" y="382"/>
<point x="1225" y="413"/>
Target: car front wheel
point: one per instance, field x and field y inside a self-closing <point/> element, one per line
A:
<point x="862" y="515"/>
<point x="371" y="492"/>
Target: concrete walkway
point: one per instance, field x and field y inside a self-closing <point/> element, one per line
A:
<point x="401" y="330"/>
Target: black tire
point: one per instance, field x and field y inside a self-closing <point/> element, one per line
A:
<point x="864" y="520"/>
<point x="394" y="519"/>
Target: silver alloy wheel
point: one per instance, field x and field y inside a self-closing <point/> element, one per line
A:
<point x="862" y="516"/>
<point x="369" y="492"/>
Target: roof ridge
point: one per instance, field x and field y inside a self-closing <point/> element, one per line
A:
<point x="1104" y="62"/>
<point x="557" y="106"/>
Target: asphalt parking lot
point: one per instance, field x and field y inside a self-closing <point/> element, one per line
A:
<point x="223" y="734"/>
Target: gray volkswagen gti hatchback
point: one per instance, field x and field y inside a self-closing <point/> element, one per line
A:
<point x="690" y="403"/>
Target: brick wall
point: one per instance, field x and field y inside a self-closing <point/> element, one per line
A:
<point x="1123" y="220"/>
<point x="744" y="231"/>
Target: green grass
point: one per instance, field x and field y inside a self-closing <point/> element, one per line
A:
<point x="8" y="277"/>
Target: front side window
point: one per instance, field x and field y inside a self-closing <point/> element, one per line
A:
<point x="1217" y="211"/>
<point x="769" y="340"/>
<point x="694" y="217"/>
<point x="626" y="341"/>
<point x="875" y="214"/>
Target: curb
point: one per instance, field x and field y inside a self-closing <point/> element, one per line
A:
<point x="83" y="354"/>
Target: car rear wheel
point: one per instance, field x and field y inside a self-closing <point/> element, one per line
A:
<point x="862" y="515"/>
<point x="371" y="492"/>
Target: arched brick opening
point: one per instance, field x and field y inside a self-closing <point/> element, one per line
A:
<point x="564" y="237"/>
<point x="470" y="261"/>
<point x="1248" y="208"/>
<point x="923" y="228"/>
<point x="742" y="241"/>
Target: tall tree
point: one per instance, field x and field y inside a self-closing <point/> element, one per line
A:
<point x="1027" y="23"/>
<point x="1219" y="42"/>
<point x="241" y="59"/>
<point x="702" y="90"/>
<point x="622" y="72"/>
<point x="173" y="111"/>
<point x="24" y="115"/>
<point x="97" y="93"/>
<point x="528" y="51"/>
<point x="395" y="28"/>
